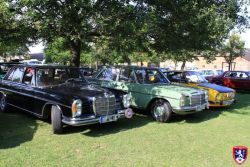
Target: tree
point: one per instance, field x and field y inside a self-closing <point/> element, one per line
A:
<point x="232" y="49"/>
<point x="132" y="26"/>
<point x="193" y="26"/>
<point x="15" y="35"/>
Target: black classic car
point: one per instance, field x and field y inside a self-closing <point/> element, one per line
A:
<point x="62" y="94"/>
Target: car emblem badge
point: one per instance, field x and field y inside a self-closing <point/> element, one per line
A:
<point x="240" y="154"/>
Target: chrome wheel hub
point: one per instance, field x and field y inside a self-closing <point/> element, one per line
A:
<point x="158" y="111"/>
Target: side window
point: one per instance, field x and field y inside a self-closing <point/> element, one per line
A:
<point x="175" y="76"/>
<point x="231" y="75"/>
<point x="28" y="77"/>
<point x="126" y="75"/>
<point x="140" y="75"/>
<point x="18" y="75"/>
<point x="242" y="75"/>
<point x="9" y="74"/>
<point x="44" y="77"/>
<point x="109" y="74"/>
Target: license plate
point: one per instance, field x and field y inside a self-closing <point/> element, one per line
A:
<point x="226" y="103"/>
<point x="109" y="118"/>
<point x="199" y="108"/>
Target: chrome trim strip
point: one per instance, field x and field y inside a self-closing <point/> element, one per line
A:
<point x="38" y="115"/>
<point x="86" y="121"/>
<point x="35" y="97"/>
<point x="191" y="108"/>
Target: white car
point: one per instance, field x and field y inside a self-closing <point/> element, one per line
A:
<point x="210" y="72"/>
<point x="31" y="61"/>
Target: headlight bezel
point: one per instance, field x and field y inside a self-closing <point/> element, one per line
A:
<point x="126" y="98"/>
<point x="185" y="100"/>
<point x="76" y="108"/>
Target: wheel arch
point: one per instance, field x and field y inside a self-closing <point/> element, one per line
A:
<point x="46" y="110"/>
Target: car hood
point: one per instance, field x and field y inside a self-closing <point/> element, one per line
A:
<point x="77" y="90"/>
<point x="221" y="89"/>
<point x="176" y="90"/>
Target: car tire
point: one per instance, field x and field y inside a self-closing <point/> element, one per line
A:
<point x="3" y="103"/>
<point x="161" y="110"/>
<point x="56" y="120"/>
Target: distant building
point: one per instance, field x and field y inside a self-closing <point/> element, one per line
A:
<point x="240" y="63"/>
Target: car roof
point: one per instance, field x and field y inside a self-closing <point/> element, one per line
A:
<point x="43" y="66"/>
<point x="134" y="67"/>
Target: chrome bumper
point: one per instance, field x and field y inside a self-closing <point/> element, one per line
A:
<point x="93" y="119"/>
<point x="190" y="109"/>
<point x="228" y="102"/>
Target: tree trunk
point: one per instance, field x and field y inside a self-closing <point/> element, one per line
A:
<point x="175" y="65"/>
<point x="183" y="65"/>
<point x="229" y="65"/>
<point x="127" y="59"/>
<point x="76" y="52"/>
<point x="141" y="63"/>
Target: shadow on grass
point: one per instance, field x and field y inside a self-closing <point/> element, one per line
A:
<point x="202" y="116"/>
<point x="16" y="128"/>
<point x="97" y="130"/>
<point x="242" y="104"/>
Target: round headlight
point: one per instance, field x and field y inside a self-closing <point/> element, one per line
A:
<point x="126" y="100"/>
<point x="76" y="108"/>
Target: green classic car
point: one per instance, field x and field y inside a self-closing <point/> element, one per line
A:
<point x="152" y="91"/>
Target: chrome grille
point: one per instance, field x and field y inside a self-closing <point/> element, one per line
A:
<point x="104" y="105"/>
<point x="198" y="99"/>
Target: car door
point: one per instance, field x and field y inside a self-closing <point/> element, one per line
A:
<point x="242" y="80"/>
<point x="230" y="79"/>
<point x="15" y="96"/>
<point x="28" y="87"/>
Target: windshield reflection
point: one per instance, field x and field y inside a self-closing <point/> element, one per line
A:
<point x="195" y="77"/>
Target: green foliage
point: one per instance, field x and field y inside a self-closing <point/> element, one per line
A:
<point x="232" y="49"/>
<point x="119" y="30"/>
<point x="14" y="32"/>
<point x="56" y="53"/>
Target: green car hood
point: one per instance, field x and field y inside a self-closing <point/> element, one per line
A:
<point x="174" y="90"/>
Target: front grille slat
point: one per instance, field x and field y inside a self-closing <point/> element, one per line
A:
<point x="198" y="99"/>
<point x="105" y="105"/>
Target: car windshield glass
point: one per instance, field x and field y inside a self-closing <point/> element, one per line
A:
<point x="56" y="76"/>
<point x="195" y="77"/>
<point x="150" y="76"/>
<point x="219" y="72"/>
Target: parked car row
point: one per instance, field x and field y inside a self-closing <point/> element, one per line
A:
<point x="76" y="96"/>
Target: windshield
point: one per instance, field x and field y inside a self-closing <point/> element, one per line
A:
<point x="56" y="76"/>
<point x="195" y="77"/>
<point x="219" y="72"/>
<point x="150" y="76"/>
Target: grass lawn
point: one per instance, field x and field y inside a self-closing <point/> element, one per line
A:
<point x="203" y="139"/>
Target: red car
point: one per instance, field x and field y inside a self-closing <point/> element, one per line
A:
<point x="234" y="79"/>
